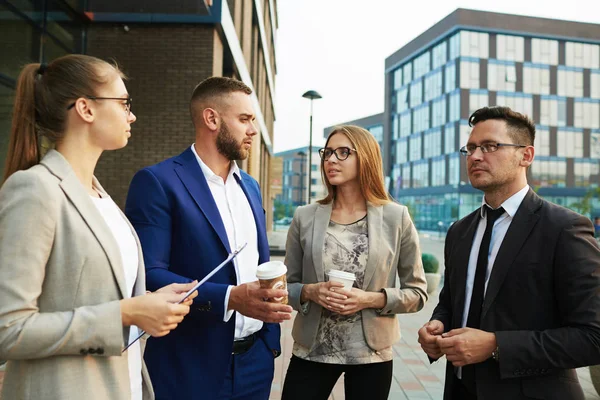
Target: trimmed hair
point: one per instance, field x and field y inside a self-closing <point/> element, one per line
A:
<point x="370" y="165"/>
<point x="520" y="127"/>
<point x="41" y="100"/>
<point x="210" y="91"/>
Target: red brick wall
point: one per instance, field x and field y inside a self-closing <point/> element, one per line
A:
<point x="164" y="63"/>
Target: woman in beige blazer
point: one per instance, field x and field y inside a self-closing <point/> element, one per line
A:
<point x="356" y="229"/>
<point x="72" y="290"/>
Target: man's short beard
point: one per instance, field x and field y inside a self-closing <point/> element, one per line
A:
<point x="228" y="146"/>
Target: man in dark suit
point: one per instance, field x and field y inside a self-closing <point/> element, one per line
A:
<point x="520" y="306"/>
<point x="190" y="211"/>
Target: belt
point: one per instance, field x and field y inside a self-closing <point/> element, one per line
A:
<point x="243" y="345"/>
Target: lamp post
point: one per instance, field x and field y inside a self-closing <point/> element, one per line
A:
<point x="302" y="156"/>
<point x="312" y="95"/>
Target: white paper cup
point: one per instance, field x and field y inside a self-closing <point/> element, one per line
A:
<point x="347" y="278"/>
<point x="272" y="275"/>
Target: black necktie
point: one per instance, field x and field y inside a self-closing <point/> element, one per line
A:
<point x="477" y="295"/>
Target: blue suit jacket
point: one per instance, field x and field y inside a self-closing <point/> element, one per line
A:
<point x="183" y="238"/>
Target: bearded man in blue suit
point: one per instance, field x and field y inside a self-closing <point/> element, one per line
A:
<point x="190" y="211"/>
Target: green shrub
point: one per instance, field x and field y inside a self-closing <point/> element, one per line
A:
<point x="430" y="263"/>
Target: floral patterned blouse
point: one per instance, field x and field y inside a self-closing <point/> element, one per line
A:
<point x="340" y="339"/>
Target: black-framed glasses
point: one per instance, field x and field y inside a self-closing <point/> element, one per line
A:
<point x="469" y="149"/>
<point x="127" y="102"/>
<point x="341" y="153"/>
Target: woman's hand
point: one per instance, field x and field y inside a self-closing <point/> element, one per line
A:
<point x="356" y="300"/>
<point x="323" y="293"/>
<point x="181" y="289"/>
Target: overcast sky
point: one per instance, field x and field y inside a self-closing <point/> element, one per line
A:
<point x="339" y="47"/>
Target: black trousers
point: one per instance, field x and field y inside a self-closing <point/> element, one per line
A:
<point x="315" y="381"/>
<point x="460" y="391"/>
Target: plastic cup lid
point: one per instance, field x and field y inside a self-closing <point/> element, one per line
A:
<point x="341" y="274"/>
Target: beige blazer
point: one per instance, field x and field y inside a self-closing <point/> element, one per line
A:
<point x="393" y="253"/>
<point x="61" y="279"/>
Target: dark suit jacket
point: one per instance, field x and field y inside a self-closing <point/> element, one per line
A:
<point x="183" y="238"/>
<point x="542" y="302"/>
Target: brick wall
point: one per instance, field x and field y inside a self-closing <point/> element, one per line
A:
<point x="164" y="63"/>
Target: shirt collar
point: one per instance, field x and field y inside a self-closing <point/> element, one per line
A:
<point x="210" y="175"/>
<point x="510" y="205"/>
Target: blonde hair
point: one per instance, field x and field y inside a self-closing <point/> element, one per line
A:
<point x="370" y="165"/>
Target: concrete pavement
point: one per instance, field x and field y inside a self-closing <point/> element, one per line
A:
<point x="414" y="377"/>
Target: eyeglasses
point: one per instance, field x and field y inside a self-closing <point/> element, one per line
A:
<point x="341" y="153"/>
<point x="127" y="102"/>
<point x="469" y="149"/>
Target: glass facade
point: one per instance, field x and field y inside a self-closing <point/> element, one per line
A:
<point x="33" y="31"/>
<point x="555" y="82"/>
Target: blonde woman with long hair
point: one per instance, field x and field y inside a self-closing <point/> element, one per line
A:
<point x="356" y="229"/>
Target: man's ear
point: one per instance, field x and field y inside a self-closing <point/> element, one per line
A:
<point x="528" y="156"/>
<point x="211" y="118"/>
<point x="83" y="108"/>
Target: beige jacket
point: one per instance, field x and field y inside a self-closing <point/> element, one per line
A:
<point x="61" y="279"/>
<point x="393" y="253"/>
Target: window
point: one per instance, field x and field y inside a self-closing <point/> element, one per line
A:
<point x="402" y="99"/>
<point x="562" y="112"/>
<point x="517" y="102"/>
<point x="422" y="65"/>
<point x="406" y="180"/>
<point x="570" y="82"/>
<point x="465" y="132"/>
<point x="415" y="148"/>
<point x="439" y="55"/>
<point x="474" y="44"/>
<point x="416" y="93"/>
<point x="478" y="99"/>
<point x="453" y="170"/>
<point x="438" y="111"/>
<point x="469" y="74"/>
<point x="395" y="127"/>
<point x="587" y="114"/>
<point x="449" y="139"/>
<point x="377" y="132"/>
<point x="595" y="85"/>
<point x="549" y="173"/>
<point x="536" y="80"/>
<point x="569" y="143"/>
<point x="542" y="138"/>
<point x="438" y="172"/>
<point x="432" y="143"/>
<point x="454" y="46"/>
<point x="402" y="151"/>
<point x="544" y="51"/>
<point x="595" y="145"/>
<point x="433" y="85"/>
<point x="450" y="75"/>
<point x="398" y="78"/>
<point x="582" y="55"/>
<point x="584" y="169"/>
<point x="405" y="124"/>
<point x="510" y="48"/>
<point x="421" y="118"/>
<point x="454" y="107"/>
<point x="501" y="76"/>
<point x="549" y="111"/>
<point x="421" y="174"/>
<point x="407" y="73"/>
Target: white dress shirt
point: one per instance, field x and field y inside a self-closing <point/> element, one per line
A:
<point x="240" y="226"/>
<point x="510" y="205"/>
<point x="129" y="257"/>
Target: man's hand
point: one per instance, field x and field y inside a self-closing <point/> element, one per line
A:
<point x="428" y="338"/>
<point x="248" y="300"/>
<point x="466" y="346"/>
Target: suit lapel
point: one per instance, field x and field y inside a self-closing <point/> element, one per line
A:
<point x="78" y="196"/>
<point x="375" y="229"/>
<point x="520" y="228"/>
<point x="320" y="224"/>
<point x="193" y="179"/>
<point x="463" y="252"/>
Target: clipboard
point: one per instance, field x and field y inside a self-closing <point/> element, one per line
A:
<point x="230" y="257"/>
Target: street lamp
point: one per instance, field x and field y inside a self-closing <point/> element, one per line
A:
<point x="302" y="156"/>
<point x="312" y="95"/>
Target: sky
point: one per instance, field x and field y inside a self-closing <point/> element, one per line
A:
<point x="339" y="47"/>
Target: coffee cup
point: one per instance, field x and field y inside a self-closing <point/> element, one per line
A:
<point x="271" y="275"/>
<point x="347" y="278"/>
